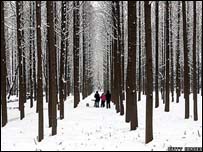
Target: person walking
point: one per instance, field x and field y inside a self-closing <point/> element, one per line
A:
<point x="97" y="99"/>
<point x="103" y="99"/>
<point x="108" y="99"/>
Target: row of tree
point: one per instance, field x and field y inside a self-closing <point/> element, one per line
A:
<point x="81" y="46"/>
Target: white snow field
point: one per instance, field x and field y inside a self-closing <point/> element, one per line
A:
<point x="88" y="128"/>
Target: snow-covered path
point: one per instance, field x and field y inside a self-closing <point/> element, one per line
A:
<point x="89" y="128"/>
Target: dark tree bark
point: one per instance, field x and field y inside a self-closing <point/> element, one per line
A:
<point x="31" y="67"/>
<point x="171" y="51"/>
<point x="67" y="69"/>
<point x="186" y="67"/>
<point x="201" y="64"/>
<point x="52" y="68"/>
<point x="167" y="103"/>
<point x="76" y="24"/>
<point x="149" y="74"/>
<point x="47" y="74"/>
<point x="129" y="66"/>
<point x="39" y="73"/>
<point x="62" y="61"/>
<point x="24" y="60"/>
<point x="117" y="54"/>
<point x="122" y="53"/>
<point x="163" y="61"/>
<point x="131" y="69"/>
<point x="84" y="49"/>
<point x="47" y="80"/>
<point x="34" y="70"/>
<point x="3" y="69"/>
<point x="140" y="55"/>
<point x="22" y="92"/>
<point x="194" y="64"/>
<point x="119" y="59"/>
<point x="157" y="57"/>
<point x="178" y="58"/>
<point x="49" y="46"/>
<point x="108" y="63"/>
<point x="115" y="91"/>
<point x="34" y="55"/>
<point x="198" y="67"/>
<point x="119" y="63"/>
<point x="112" y="64"/>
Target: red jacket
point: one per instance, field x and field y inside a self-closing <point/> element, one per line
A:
<point x="103" y="97"/>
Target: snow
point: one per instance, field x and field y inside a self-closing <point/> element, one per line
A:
<point x="90" y="128"/>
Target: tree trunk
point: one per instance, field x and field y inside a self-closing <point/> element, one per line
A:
<point x="122" y="53"/>
<point x="140" y="56"/>
<point x="76" y="53"/>
<point x="67" y="69"/>
<point x="163" y="62"/>
<point x="194" y="64"/>
<point x="149" y="84"/>
<point x="119" y="57"/>
<point x="167" y="103"/>
<point x="131" y="69"/>
<point x="52" y="67"/>
<point x="62" y="61"/>
<point x="39" y="73"/>
<point x="20" y="59"/>
<point x="178" y="58"/>
<point x="84" y="85"/>
<point x="171" y="50"/>
<point x="3" y="69"/>
<point x="157" y="57"/>
<point x="31" y="67"/>
<point x="115" y="91"/>
<point x="34" y="56"/>
<point x="186" y="68"/>
<point x="119" y="64"/>
<point x="117" y="70"/>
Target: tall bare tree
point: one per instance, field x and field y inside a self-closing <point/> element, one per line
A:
<point x="178" y="87"/>
<point x="67" y="71"/>
<point x="157" y="57"/>
<point x="52" y="67"/>
<point x="76" y="24"/>
<point x="22" y="91"/>
<point x="62" y="60"/>
<point x="149" y="74"/>
<point x="167" y="102"/>
<point x="122" y="51"/>
<point x="3" y="69"/>
<point x="84" y="70"/>
<point x="119" y="58"/>
<point x="194" y="63"/>
<point x="33" y="39"/>
<point x="171" y="53"/>
<point x="31" y="54"/>
<point x="39" y="73"/>
<point x="131" y="94"/>
<point x="186" y="66"/>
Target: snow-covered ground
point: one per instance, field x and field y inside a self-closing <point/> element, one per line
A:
<point x="89" y="128"/>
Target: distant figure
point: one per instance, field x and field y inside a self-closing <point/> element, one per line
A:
<point x="108" y="99"/>
<point x="87" y="104"/>
<point x="103" y="99"/>
<point x="97" y="99"/>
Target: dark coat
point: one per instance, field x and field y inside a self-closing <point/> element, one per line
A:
<point x="108" y="96"/>
<point x="97" y="97"/>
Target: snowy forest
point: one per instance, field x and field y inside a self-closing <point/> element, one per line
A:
<point x="56" y="54"/>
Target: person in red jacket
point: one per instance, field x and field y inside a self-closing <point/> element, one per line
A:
<point x="103" y="99"/>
